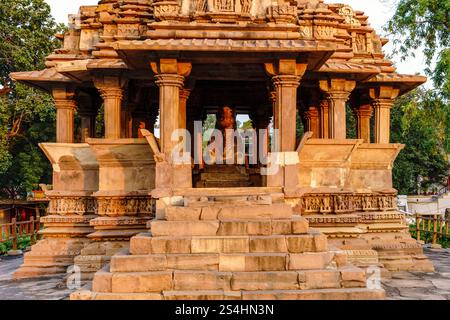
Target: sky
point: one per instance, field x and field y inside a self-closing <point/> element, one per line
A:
<point x="379" y="11"/>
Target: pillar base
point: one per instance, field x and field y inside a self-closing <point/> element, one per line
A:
<point x="64" y="238"/>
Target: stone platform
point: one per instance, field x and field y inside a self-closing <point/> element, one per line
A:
<point x="401" y="286"/>
<point x="235" y="246"/>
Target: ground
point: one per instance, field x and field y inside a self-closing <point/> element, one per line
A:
<point x="402" y="285"/>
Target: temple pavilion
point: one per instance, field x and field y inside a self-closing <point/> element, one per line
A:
<point x="140" y="225"/>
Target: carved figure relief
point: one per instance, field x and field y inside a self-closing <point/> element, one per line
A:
<point x="246" y="6"/>
<point x="349" y="15"/>
<point x="224" y="5"/>
<point x="361" y="43"/>
<point x="201" y="5"/>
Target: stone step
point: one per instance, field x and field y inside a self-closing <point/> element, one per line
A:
<point x="233" y="200"/>
<point x="145" y="244"/>
<point x="228" y="211"/>
<point x="225" y="262"/>
<point x="324" y="294"/>
<point x="224" y="184"/>
<point x="155" y="281"/>
<point x="227" y="192"/>
<point x="229" y="227"/>
<point x="217" y="176"/>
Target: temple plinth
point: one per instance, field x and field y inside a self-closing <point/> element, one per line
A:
<point x="302" y="222"/>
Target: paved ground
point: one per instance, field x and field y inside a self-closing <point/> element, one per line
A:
<point x="419" y="285"/>
<point x="43" y="289"/>
<point x="402" y="286"/>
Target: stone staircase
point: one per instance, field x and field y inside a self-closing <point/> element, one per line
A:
<point x="223" y="176"/>
<point x="233" y="246"/>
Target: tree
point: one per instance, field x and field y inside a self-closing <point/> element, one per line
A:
<point x="419" y="120"/>
<point x="27" y="115"/>
<point x="425" y="24"/>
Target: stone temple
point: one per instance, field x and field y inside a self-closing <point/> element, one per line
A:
<point x="141" y="225"/>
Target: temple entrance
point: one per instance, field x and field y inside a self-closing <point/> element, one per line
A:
<point x="229" y="146"/>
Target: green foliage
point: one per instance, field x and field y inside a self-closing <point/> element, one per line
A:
<point x="427" y="237"/>
<point x="27" y="115"/>
<point x="22" y="243"/>
<point x="420" y="121"/>
<point x="424" y="24"/>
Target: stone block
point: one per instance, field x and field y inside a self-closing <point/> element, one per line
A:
<point x="197" y="280"/>
<point x="232" y="228"/>
<point x="320" y="279"/>
<point x="207" y="245"/>
<point x="171" y="245"/>
<point x="182" y="213"/>
<point x="268" y="244"/>
<point x="252" y="262"/>
<point x="259" y="228"/>
<point x="209" y="213"/>
<point x="141" y="282"/>
<point x="184" y="228"/>
<point x="236" y="245"/>
<point x="138" y="263"/>
<point x="307" y="261"/>
<point x="300" y="225"/>
<point x="280" y="227"/>
<point x="202" y="295"/>
<point x="193" y="261"/>
<point x="265" y="281"/>
<point x="141" y="244"/>
<point x="274" y="211"/>
<point x="300" y="243"/>
<point x="102" y="281"/>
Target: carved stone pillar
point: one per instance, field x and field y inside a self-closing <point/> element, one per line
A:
<point x="312" y="121"/>
<point x="337" y="92"/>
<point x="184" y="96"/>
<point x="286" y="76"/>
<point x="363" y="115"/>
<point x="64" y="98"/>
<point x="383" y="100"/>
<point x="324" y="119"/>
<point x="170" y="76"/>
<point x="111" y="89"/>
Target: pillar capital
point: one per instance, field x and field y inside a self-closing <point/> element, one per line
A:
<point x="110" y="84"/>
<point x="185" y="93"/>
<point x="286" y="67"/>
<point x="171" y="66"/>
<point x="64" y="97"/>
<point x="286" y="81"/>
<point x="169" y="80"/>
<point x="337" y="89"/>
<point x="384" y="93"/>
<point x="364" y="111"/>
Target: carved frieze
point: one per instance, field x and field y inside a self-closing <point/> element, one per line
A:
<point x="125" y="206"/>
<point x="346" y="203"/>
<point x="166" y="10"/>
<point x="70" y="205"/>
<point x="282" y="13"/>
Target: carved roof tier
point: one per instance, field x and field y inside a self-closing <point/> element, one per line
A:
<point x="125" y="34"/>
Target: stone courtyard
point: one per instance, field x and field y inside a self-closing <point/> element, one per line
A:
<point x="402" y="285"/>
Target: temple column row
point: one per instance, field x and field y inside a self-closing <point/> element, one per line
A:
<point x="326" y="118"/>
